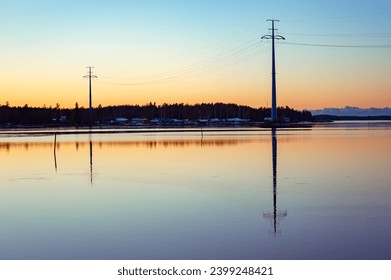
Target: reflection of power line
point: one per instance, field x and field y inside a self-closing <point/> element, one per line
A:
<point x="275" y="216"/>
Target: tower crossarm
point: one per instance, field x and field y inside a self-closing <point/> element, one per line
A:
<point x="276" y="37"/>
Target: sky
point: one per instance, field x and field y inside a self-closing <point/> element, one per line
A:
<point x="335" y="53"/>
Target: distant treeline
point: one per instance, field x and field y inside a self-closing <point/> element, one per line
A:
<point x="79" y="115"/>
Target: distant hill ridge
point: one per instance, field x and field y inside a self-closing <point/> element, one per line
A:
<point x="353" y="111"/>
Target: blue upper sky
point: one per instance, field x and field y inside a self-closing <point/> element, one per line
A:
<point x="49" y="43"/>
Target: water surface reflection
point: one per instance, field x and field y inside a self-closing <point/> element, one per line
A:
<point x="193" y="196"/>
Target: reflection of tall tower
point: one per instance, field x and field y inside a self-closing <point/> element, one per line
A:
<point x="275" y="215"/>
<point x="91" y="160"/>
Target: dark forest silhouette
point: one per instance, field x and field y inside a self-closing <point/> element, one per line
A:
<point x="26" y="115"/>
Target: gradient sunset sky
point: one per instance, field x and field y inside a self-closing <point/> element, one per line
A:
<point x="194" y="51"/>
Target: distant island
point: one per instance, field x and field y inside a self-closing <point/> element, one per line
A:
<point x="149" y="114"/>
<point x="352" y="113"/>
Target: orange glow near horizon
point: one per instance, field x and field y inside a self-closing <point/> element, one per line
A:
<point x="288" y="94"/>
<point x="328" y="87"/>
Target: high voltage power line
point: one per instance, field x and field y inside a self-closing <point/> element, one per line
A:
<point x="253" y="45"/>
<point x="237" y="55"/>
<point x="223" y="60"/>
<point x="335" y="45"/>
<point x="360" y="35"/>
<point x="228" y="58"/>
<point x="192" y="73"/>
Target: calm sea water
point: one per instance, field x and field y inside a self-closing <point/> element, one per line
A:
<point x="317" y="193"/>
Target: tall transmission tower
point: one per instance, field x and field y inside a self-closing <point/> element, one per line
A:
<point x="274" y="94"/>
<point x="90" y="77"/>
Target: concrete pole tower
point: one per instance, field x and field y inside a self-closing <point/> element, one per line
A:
<point x="273" y="37"/>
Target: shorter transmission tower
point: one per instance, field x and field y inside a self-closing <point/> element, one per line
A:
<point x="274" y="94"/>
<point x="90" y="77"/>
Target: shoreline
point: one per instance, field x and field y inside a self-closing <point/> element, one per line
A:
<point x="20" y="131"/>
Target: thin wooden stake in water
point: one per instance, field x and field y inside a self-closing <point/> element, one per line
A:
<point x="55" y="156"/>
